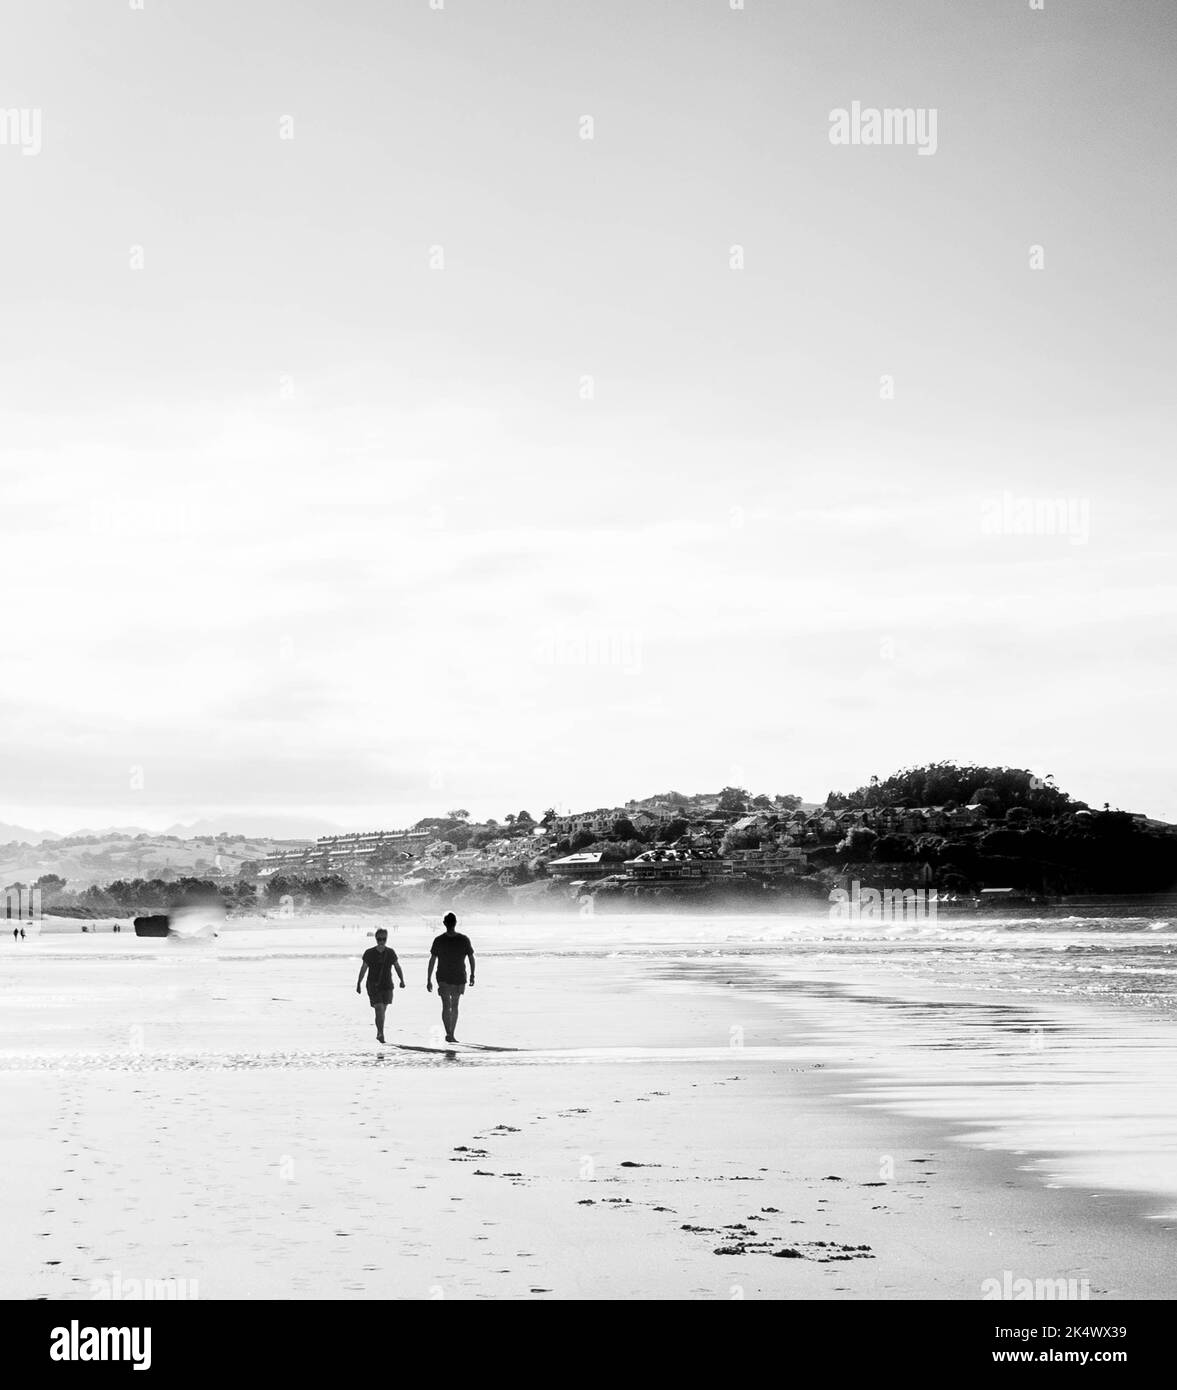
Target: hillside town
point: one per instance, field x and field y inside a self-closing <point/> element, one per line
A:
<point x="1010" y="838"/>
<point x="719" y="845"/>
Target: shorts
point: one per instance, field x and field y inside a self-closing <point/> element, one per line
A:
<point x="449" y="991"/>
<point x="379" y="996"/>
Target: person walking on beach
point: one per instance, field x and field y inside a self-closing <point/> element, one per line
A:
<point x="450" y="953"/>
<point x="379" y="962"/>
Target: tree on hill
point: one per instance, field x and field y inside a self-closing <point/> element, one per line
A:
<point x="329" y="888"/>
<point x="460" y="814"/>
<point x="239" y="894"/>
<point x="1001" y="841"/>
<point x="189" y="891"/>
<point x="672" y="830"/>
<point x="788" y="802"/>
<point x="281" y="886"/>
<point x="859" y="840"/>
<point x="52" y="886"/>
<point x="623" y="829"/>
<point x="739" y="839"/>
<point x="322" y="891"/>
<point x="952" y="880"/>
<point x="100" y="900"/>
<point x="733" y="800"/>
<point x="581" y="840"/>
<point x="894" y="849"/>
<point x="936" y="784"/>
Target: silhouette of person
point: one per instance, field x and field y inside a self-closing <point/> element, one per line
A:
<point x="449" y="954"/>
<point x="379" y="962"/>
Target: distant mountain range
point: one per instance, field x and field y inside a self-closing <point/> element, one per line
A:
<point x="102" y="830"/>
<point x="270" y="827"/>
<point x="259" y="827"/>
<point x="103" y="858"/>
<point x="23" y="834"/>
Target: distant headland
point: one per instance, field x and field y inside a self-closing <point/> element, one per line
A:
<point x="972" y="835"/>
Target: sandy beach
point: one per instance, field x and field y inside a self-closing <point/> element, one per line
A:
<point x="654" y="1126"/>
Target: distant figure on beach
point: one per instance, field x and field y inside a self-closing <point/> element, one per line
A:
<point x="379" y="962"/>
<point x="450" y="953"/>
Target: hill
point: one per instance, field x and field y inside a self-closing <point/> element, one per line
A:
<point x="22" y="834"/>
<point x="85" y="859"/>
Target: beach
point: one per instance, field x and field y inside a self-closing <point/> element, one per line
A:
<point x="660" y="1108"/>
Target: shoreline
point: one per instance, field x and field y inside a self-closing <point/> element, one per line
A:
<point x="253" y="1138"/>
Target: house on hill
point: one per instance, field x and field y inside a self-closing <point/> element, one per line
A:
<point x="771" y="861"/>
<point x="581" y="866"/>
<point x="1003" y="897"/>
<point x="598" y="823"/>
<point x="686" y="867"/>
<point x="885" y="875"/>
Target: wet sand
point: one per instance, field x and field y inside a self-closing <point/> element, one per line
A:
<point x="227" y="1119"/>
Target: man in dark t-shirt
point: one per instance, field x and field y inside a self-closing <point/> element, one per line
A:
<point x="379" y="962"/>
<point x="450" y="953"/>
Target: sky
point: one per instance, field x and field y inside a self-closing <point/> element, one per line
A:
<point x="527" y="403"/>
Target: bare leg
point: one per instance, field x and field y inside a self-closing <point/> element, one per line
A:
<point x="380" y="1011"/>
